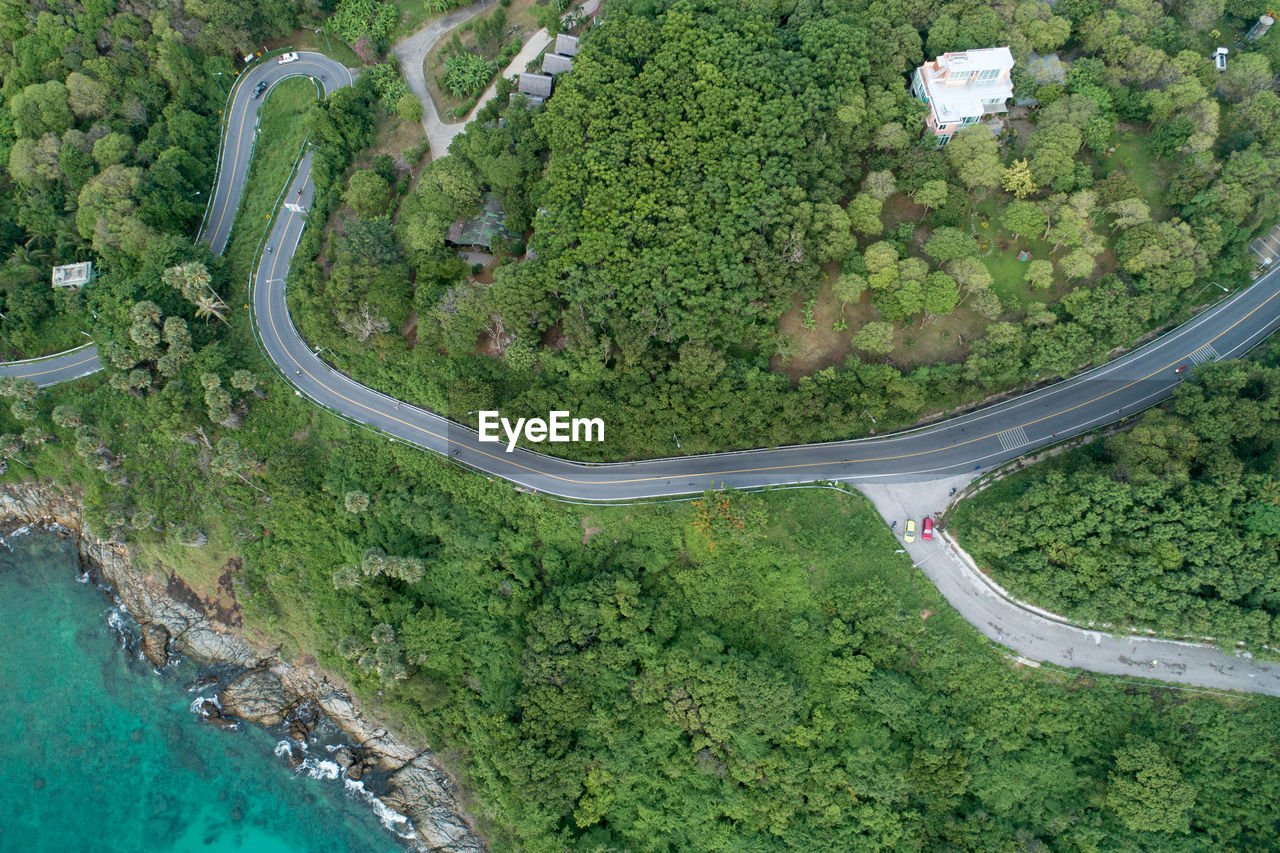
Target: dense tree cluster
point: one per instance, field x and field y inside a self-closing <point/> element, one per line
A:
<point x="109" y="122"/>
<point x="1170" y="525"/>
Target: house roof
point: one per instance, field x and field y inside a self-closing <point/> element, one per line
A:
<point x="72" y="275"/>
<point x="982" y="59"/>
<point x="538" y="85"/>
<point x="479" y="230"/>
<point x="567" y="45"/>
<point x="951" y="102"/>
<point x="554" y="63"/>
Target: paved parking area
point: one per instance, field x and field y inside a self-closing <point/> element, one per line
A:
<point x="1267" y="247"/>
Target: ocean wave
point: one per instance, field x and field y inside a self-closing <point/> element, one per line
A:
<point x="391" y="819"/>
<point x="283" y="749"/>
<point x="316" y="769"/>
<point x="117" y="620"/>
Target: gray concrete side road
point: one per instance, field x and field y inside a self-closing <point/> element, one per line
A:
<point x="412" y="51"/>
<point x="1038" y="636"/>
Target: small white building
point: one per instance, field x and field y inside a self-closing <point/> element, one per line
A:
<point x="73" y="275"/>
<point x="963" y="87"/>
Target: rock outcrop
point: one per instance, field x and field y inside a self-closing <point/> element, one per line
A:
<point x="155" y="644"/>
<point x="270" y="690"/>
<point x="257" y="696"/>
<point x="419" y="790"/>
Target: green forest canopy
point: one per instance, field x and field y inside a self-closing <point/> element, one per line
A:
<point x="674" y="210"/>
<point x="736" y="672"/>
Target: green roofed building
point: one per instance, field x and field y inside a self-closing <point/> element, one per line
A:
<point x="479" y="230"/>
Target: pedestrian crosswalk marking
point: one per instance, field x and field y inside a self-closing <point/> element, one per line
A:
<point x="1205" y="353"/>
<point x="1012" y="439"/>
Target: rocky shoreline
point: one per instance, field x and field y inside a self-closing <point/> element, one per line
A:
<point x="268" y="690"/>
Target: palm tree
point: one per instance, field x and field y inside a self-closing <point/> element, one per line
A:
<point x="208" y="305"/>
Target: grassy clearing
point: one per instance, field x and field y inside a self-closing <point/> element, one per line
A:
<point x="399" y="138"/>
<point x="791" y="573"/>
<point x="320" y="42"/>
<point x="199" y="567"/>
<point x="1140" y="165"/>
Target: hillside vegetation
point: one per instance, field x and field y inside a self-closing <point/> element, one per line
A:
<point x="1171" y="525"/>
<point x="686" y="238"/>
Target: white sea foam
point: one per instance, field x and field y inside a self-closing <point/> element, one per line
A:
<point x="115" y="621"/>
<point x="316" y="769"/>
<point x="389" y="817"/>
<point x="283" y="749"/>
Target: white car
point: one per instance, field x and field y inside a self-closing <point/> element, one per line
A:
<point x="286" y="58"/>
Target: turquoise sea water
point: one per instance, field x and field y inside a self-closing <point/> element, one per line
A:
<point x="98" y="752"/>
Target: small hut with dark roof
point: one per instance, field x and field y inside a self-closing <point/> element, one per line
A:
<point x="554" y="63"/>
<point x="479" y="230"/>
<point x="567" y="45"/>
<point x="535" y="85"/>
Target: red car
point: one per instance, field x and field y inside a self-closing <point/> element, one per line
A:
<point x="927" y="532"/>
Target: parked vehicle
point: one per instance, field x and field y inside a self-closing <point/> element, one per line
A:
<point x="285" y="59"/>
<point x="910" y="535"/>
<point x="258" y="90"/>
<point x="927" y="533"/>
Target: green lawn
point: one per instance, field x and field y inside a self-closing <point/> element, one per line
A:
<point x="1140" y="165"/>
<point x="1006" y="270"/>
<point x="320" y="42"/>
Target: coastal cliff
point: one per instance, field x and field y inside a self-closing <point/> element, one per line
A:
<point x="268" y="690"/>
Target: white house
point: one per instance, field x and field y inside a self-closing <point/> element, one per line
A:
<point x="963" y="87"/>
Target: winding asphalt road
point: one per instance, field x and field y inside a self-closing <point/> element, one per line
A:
<point x="52" y="369"/>
<point x="890" y="468"/>
<point x="240" y="132"/>
<point x="966" y="444"/>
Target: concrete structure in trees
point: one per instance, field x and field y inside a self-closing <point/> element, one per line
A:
<point x="963" y="87"/>
<point x="72" y="275"/>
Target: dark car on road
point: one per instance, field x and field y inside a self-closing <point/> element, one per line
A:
<point x="258" y="90"/>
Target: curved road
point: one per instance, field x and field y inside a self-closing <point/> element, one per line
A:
<point x="239" y="133"/>
<point x="966" y="444"/>
<point x="898" y="471"/>
<point x="52" y="369"/>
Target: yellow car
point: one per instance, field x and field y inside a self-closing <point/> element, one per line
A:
<point x="910" y="535"/>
